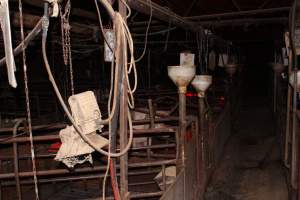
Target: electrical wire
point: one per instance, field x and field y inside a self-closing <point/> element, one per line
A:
<point x="113" y="182"/>
<point x="168" y="35"/>
<point x="123" y="37"/>
<point x="155" y="33"/>
<point x="126" y="36"/>
<point x="147" y="32"/>
<point x="36" y="189"/>
<point x="101" y="26"/>
<point x="128" y="8"/>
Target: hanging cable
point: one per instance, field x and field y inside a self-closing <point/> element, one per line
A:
<point x="125" y="34"/>
<point x="168" y="35"/>
<point x="101" y="26"/>
<point x="28" y="104"/>
<point x="147" y="32"/>
<point x="155" y="33"/>
<point x="128" y="8"/>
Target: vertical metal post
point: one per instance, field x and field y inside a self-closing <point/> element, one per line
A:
<point x="16" y="159"/>
<point x="151" y="113"/>
<point x="182" y="128"/>
<point x="288" y="113"/>
<point x="164" y="177"/>
<point x="149" y="69"/>
<point x="152" y="125"/>
<point x="180" y="165"/>
<point x="202" y="131"/>
<point x="0" y="180"/>
<point x="38" y="109"/>
<point x="295" y="138"/>
<point x="275" y="93"/>
<point x="115" y="119"/>
<point x="123" y="121"/>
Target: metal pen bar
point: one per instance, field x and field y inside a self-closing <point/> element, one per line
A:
<point x="85" y="170"/>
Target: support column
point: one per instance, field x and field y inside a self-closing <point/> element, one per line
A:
<point x="182" y="128"/>
<point x="123" y="122"/>
<point x="202" y="131"/>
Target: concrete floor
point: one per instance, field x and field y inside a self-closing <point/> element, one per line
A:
<point x="241" y="175"/>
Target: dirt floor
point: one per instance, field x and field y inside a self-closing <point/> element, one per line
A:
<point x="242" y="175"/>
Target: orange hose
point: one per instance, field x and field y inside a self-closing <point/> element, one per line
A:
<point x="113" y="181"/>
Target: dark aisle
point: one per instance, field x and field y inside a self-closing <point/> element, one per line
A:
<point x="241" y="174"/>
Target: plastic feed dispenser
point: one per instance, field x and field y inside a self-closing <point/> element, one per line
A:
<point x="181" y="76"/>
<point x="278" y="67"/>
<point x="231" y="69"/>
<point x="201" y="83"/>
<point x="74" y="150"/>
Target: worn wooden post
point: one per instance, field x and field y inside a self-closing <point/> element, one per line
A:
<point x="123" y="121"/>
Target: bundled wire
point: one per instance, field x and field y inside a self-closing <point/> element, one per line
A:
<point x="124" y="39"/>
<point x="147" y="33"/>
<point x="124" y="32"/>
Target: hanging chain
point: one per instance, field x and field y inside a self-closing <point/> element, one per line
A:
<point x="70" y="61"/>
<point x="28" y="103"/>
<point x="64" y="17"/>
<point x="66" y="40"/>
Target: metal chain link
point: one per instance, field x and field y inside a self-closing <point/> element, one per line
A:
<point x="28" y="103"/>
<point x="66" y="40"/>
<point x="70" y="60"/>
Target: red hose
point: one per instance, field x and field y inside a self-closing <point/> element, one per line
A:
<point x="114" y="184"/>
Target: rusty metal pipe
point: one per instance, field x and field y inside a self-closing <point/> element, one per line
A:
<point x="161" y="146"/>
<point x="0" y="181"/>
<point x="295" y="142"/>
<point x="201" y="102"/>
<point x="77" y="178"/>
<point x="275" y="93"/>
<point x="153" y="155"/>
<point x="16" y="160"/>
<point x="85" y="170"/>
<point x="287" y="129"/>
<point x="164" y="177"/>
<point x="45" y="138"/>
<point x="152" y="125"/>
<point x="163" y="14"/>
<point x="288" y="113"/>
<point x="146" y="195"/>
<point x="241" y="13"/>
<point x="182" y="130"/>
<point x="60" y="126"/>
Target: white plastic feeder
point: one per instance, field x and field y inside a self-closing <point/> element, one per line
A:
<point x="201" y="83"/>
<point x="278" y="67"/>
<point x="182" y="76"/>
<point x="231" y="69"/>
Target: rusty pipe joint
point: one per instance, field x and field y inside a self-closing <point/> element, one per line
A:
<point x="201" y="94"/>
<point x="182" y="90"/>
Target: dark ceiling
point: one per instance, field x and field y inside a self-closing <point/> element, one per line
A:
<point x="203" y="7"/>
<point x="242" y="28"/>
